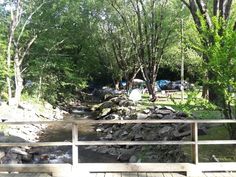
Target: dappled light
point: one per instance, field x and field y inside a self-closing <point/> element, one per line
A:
<point x="116" y="88"/>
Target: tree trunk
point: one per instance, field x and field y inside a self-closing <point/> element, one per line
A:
<point x="116" y="83"/>
<point x="150" y="83"/>
<point x="151" y="90"/>
<point x="18" y="82"/>
<point x="129" y="84"/>
<point x="231" y="129"/>
<point x="39" y="88"/>
<point x="9" y="62"/>
<point x="205" y="89"/>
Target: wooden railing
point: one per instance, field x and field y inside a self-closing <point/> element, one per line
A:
<point x="76" y="167"/>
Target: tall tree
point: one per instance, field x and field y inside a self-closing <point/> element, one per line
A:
<point x="19" y="41"/>
<point x="150" y="25"/>
<point x="117" y="43"/>
<point x="205" y="15"/>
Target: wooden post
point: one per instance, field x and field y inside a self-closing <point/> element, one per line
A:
<point x="75" y="149"/>
<point x="194" y="171"/>
<point x="194" y="135"/>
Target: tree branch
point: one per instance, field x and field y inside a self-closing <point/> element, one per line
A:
<point x="215" y="7"/>
<point x="27" y="49"/>
<point x="204" y="11"/>
<point x="28" y="20"/>
<point x="227" y="9"/>
<point x="185" y="3"/>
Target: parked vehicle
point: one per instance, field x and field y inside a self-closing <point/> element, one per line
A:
<point x="176" y="85"/>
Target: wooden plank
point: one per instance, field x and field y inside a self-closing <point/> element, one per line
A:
<point x="209" y="175"/>
<point x="162" y="121"/>
<point x="167" y="175"/>
<point x="100" y="175"/>
<point x="137" y="167"/>
<point x="233" y="174"/>
<point x="25" y="175"/>
<point x="155" y="175"/>
<point x="225" y="174"/>
<point x="75" y="148"/>
<point x="141" y="175"/>
<point x="43" y="175"/>
<point x="110" y="175"/>
<point x="217" y="166"/>
<point x="92" y="175"/>
<point x="194" y="136"/>
<point x="5" y="175"/>
<point x="205" y="142"/>
<point x="95" y="143"/>
<point x="216" y="121"/>
<point x="38" y="144"/>
<point x="177" y="175"/>
<point x="216" y="174"/>
<point x="58" y="122"/>
<point x="117" y="174"/>
<point x="129" y="174"/>
<point x="36" y="168"/>
<point x="83" y="143"/>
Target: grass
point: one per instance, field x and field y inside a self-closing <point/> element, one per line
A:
<point x="224" y="153"/>
<point x="163" y="101"/>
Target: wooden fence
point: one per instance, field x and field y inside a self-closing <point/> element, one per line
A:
<point x="192" y="169"/>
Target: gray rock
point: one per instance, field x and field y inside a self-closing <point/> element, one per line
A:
<point x="103" y="149"/>
<point x="146" y="111"/>
<point x="107" y="104"/>
<point x="164" y="130"/>
<point x="124" y="133"/>
<point x="163" y="111"/>
<point x="138" y="136"/>
<point x="18" y="150"/>
<point x="156" y="116"/>
<point x="177" y="134"/>
<point x="141" y="116"/>
<point x="105" y="112"/>
<point x="170" y="108"/>
<point x="109" y="137"/>
<point x="133" y="159"/>
<point x="125" y="154"/>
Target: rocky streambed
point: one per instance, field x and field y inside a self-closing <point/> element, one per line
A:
<point x="116" y="107"/>
<point x="120" y="108"/>
<point x="25" y="132"/>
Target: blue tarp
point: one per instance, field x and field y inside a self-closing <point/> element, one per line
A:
<point x="162" y="84"/>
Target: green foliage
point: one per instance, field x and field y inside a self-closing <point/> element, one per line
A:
<point x="194" y="103"/>
<point x="2" y="57"/>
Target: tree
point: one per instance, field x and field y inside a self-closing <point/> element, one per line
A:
<point x="216" y="26"/>
<point x="204" y="14"/>
<point x="150" y="26"/>
<point x="19" y="42"/>
<point x="116" y="43"/>
<point x="2" y="52"/>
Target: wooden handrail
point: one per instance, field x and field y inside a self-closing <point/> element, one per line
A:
<point x="194" y="142"/>
<point x="161" y="121"/>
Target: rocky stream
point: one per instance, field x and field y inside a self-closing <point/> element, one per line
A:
<point x="112" y="107"/>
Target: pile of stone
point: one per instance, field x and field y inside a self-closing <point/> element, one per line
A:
<point x="120" y="108"/>
<point x="24" y="132"/>
<point x="19" y="155"/>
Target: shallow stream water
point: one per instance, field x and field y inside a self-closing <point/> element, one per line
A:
<point x="56" y="133"/>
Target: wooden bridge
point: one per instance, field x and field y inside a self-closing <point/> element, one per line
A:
<point x="76" y="169"/>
